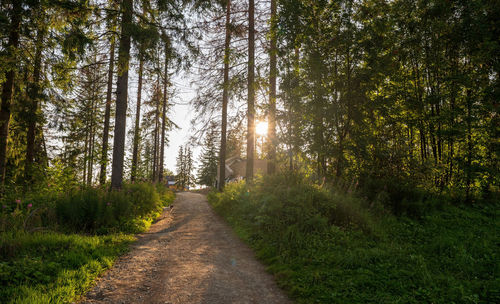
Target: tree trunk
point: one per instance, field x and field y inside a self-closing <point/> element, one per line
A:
<point x="156" y="133"/>
<point x="107" y="114"/>
<point x="468" y="180"/>
<point x="121" y="96"/>
<point x="271" y="165"/>
<point x="222" y="153"/>
<point x="8" y="85"/>
<point x="251" y="92"/>
<point x="163" y="116"/>
<point x="135" y="151"/>
<point x="85" y="157"/>
<point x="34" y="97"/>
<point x="90" y="171"/>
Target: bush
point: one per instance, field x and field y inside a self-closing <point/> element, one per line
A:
<point x="286" y="205"/>
<point x="402" y="197"/>
<point x="323" y="247"/>
<point x="87" y="210"/>
<point x="97" y="210"/>
<point x="53" y="267"/>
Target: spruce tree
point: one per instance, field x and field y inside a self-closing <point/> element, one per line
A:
<point x="207" y="172"/>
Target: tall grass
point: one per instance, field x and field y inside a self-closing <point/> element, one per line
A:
<point x="54" y="267"/>
<point x="53" y="246"/>
<point x="329" y="247"/>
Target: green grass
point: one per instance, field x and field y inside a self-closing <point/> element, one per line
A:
<point x="325" y="247"/>
<point x="89" y="229"/>
<point x="53" y="267"/>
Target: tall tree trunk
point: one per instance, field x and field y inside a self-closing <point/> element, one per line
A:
<point x="222" y="153"/>
<point x="121" y="95"/>
<point x="251" y="92"/>
<point x="85" y="157"/>
<point x="107" y="114"/>
<point x="468" y="176"/>
<point x="34" y="98"/>
<point x="156" y="133"/>
<point x="135" y="152"/>
<point x="90" y="171"/>
<point x="271" y="165"/>
<point x="8" y="85"/>
<point x="163" y="115"/>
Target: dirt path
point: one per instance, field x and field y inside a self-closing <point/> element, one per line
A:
<point x="189" y="256"/>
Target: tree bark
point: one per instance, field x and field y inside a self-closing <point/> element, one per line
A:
<point x="8" y="85"/>
<point x="271" y="165"/>
<point x="34" y="98"/>
<point x="222" y="153"/>
<point x="163" y="115"/>
<point x="251" y="92"/>
<point x="121" y="96"/>
<point x="156" y="133"/>
<point x="135" y="151"/>
<point x="107" y="114"/>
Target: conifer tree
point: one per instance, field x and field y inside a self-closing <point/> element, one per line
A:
<point x="207" y="172"/>
<point x="127" y="7"/>
<point x="251" y="91"/>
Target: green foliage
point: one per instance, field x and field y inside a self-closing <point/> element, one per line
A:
<point x="324" y="247"/>
<point x="53" y="267"/>
<point x="207" y="173"/>
<point x="184" y="177"/>
<point x="396" y="90"/>
<point x="97" y="210"/>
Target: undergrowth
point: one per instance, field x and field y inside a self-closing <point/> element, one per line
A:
<point x="53" y="246"/>
<point x="324" y="246"/>
<point x="54" y="267"/>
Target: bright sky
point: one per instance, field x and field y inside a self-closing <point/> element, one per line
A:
<point x="181" y="113"/>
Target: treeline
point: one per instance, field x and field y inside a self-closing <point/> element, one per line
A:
<point x="64" y="76"/>
<point x="395" y="93"/>
<point x="394" y="96"/>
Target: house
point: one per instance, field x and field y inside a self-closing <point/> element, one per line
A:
<point x="236" y="168"/>
<point x="170" y="179"/>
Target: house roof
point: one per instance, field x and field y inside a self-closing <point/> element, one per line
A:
<point x="236" y="167"/>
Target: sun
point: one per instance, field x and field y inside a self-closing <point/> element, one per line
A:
<point x="261" y="128"/>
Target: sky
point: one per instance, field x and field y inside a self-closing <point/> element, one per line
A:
<point x="182" y="113"/>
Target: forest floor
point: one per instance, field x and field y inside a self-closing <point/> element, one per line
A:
<point x="190" y="255"/>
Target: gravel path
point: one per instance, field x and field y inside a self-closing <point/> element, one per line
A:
<point x="189" y="256"/>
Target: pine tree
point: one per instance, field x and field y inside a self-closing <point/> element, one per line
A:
<point x="181" y="168"/>
<point x="251" y="91"/>
<point x="207" y="172"/>
<point x="85" y="120"/>
<point x="127" y="7"/>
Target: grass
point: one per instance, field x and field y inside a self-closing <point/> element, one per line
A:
<point x="87" y="230"/>
<point x="54" y="267"/>
<point x="326" y="247"/>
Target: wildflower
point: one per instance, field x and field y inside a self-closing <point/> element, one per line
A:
<point x="30" y="205"/>
<point x="108" y="204"/>
<point x="18" y="201"/>
<point x="4" y="206"/>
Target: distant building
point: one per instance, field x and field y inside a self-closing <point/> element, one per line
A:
<point x="236" y="168"/>
<point x="170" y="179"/>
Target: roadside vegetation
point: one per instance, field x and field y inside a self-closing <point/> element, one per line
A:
<point x="54" y="242"/>
<point x="326" y="245"/>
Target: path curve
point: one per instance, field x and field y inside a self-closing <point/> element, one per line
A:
<point x="189" y="256"/>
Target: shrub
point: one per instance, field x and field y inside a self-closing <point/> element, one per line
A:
<point x="277" y="203"/>
<point x="97" y="210"/>
<point x="323" y="247"/>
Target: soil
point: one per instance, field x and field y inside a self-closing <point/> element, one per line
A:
<point x="189" y="256"/>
